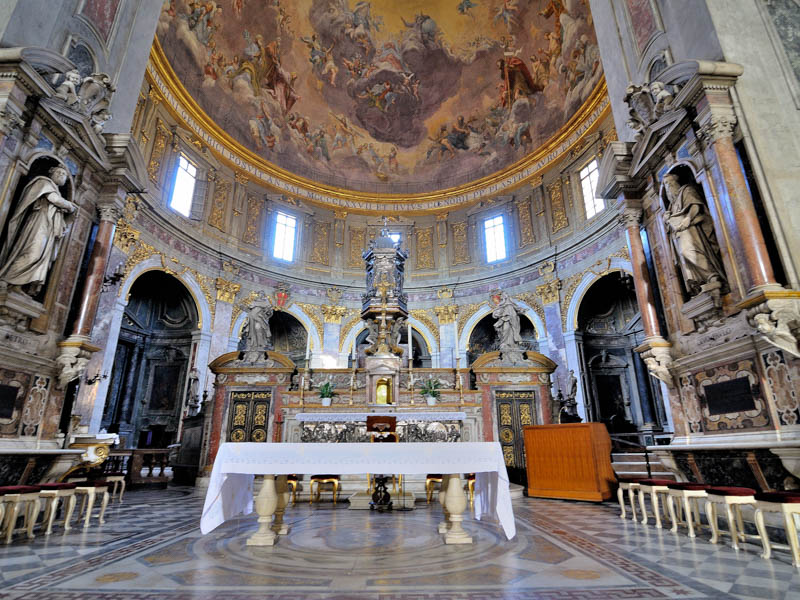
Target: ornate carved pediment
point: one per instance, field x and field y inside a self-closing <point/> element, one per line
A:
<point x="656" y="140"/>
<point x="82" y="134"/>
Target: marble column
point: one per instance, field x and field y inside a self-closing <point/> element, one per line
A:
<point x="718" y="129"/>
<point x="98" y="262"/>
<point x="655" y="351"/>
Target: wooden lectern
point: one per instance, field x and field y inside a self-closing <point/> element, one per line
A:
<point x="571" y="461"/>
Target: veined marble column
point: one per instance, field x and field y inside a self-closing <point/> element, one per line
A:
<point x="718" y="129"/>
<point x="655" y="351"/>
<point x="76" y="350"/>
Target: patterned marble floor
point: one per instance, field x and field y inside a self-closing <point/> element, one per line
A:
<point x="151" y="548"/>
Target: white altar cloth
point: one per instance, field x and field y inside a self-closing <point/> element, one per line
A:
<point x="230" y="490"/>
<point x="328" y="417"/>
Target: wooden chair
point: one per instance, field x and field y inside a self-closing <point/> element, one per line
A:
<point x="51" y="493"/>
<point x="631" y="486"/>
<point x="89" y="490"/>
<point x="689" y="494"/>
<point x="788" y="505"/>
<point x="16" y="497"/>
<point x="732" y="498"/>
<point x="654" y="487"/>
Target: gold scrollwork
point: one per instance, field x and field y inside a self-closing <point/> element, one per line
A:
<point x="157" y="155"/>
<point x="424" y="316"/>
<point x="227" y="290"/>
<point x="508" y="455"/>
<point x="425" y="248"/>
<point x="219" y="204"/>
<point x="253" y="228"/>
<point x="526" y="237"/>
<point x="260" y="417"/>
<point x="312" y="312"/>
<point x="239" y="415"/>
<point x="559" y="212"/>
<point x="525" y="414"/>
<point x="237" y="435"/>
<point x="358" y="240"/>
<point x="505" y="414"/>
<point x="466" y="311"/>
<point x="507" y="436"/>
<point x="461" y="254"/>
<point x="258" y="435"/>
<point x="321" y="241"/>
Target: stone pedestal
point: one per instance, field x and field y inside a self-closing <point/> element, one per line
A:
<point x="383" y="367"/>
<point x="17" y="309"/>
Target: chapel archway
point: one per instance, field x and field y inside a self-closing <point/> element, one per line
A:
<point x="618" y="389"/>
<point x="149" y="378"/>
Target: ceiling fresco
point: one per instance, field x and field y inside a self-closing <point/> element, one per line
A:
<point x="384" y="96"/>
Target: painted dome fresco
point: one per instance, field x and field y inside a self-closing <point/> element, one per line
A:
<point x="385" y="96"/>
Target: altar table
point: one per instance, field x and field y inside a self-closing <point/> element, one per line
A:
<point x="230" y="490"/>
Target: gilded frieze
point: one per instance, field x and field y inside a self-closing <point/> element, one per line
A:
<point x="425" y="248"/>
<point x="559" y="211"/>
<point x="219" y="204"/>
<point x="461" y="254"/>
<point x="532" y="300"/>
<point x="321" y="241"/>
<point x="358" y="241"/>
<point x="227" y="290"/>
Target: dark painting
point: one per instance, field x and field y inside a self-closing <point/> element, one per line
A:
<point x="165" y="390"/>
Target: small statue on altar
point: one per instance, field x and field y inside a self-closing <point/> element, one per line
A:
<point x="256" y="334"/>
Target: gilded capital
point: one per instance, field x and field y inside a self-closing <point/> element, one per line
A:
<point x="446" y="313"/>
<point x="333" y="314"/>
<point x="227" y="290"/>
<point x="548" y="292"/>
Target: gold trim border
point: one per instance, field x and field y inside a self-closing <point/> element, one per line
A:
<point x="237" y="156"/>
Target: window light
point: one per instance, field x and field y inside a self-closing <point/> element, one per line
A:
<point x="285" y="226"/>
<point x="588" y="177"/>
<point x="183" y="192"/>
<point x="495" y="239"/>
<point x="395" y="237"/>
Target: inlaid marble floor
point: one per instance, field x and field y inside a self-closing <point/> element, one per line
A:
<point x="151" y="548"/>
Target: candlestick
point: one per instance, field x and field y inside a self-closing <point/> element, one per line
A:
<point x="410" y="357"/>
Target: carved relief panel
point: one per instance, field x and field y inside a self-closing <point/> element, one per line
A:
<point x="157" y="154"/>
<point x="219" y="204"/>
<point x="425" y="248"/>
<point x="320" y="243"/>
<point x="526" y="235"/>
<point x="557" y="207"/>
<point x="252" y="231"/>
<point x="358" y="241"/>
<point x="461" y="255"/>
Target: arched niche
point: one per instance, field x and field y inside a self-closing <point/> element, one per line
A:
<point x="480" y="314"/>
<point x="618" y="390"/>
<point x="289" y="336"/>
<point x="419" y="347"/>
<point x="148" y="380"/>
<point x="483" y="337"/>
<point x="295" y="313"/>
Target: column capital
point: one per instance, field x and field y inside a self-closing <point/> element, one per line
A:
<point x="108" y="211"/>
<point x="630" y="217"/>
<point x="717" y="125"/>
<point x="227" y="290"/>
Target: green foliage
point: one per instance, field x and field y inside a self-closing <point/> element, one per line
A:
<point x="430" y="387"/>
<point x="326" y="390"/>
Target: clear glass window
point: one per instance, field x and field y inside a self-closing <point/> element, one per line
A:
<point x="395" y="237"/>
<point x="183" y="191"/>
<point x="494" y="231"/>
<point x="588" y="177"/>
<point x="285" y="227"/>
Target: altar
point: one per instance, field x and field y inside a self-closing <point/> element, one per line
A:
<point x="230" y="490"/>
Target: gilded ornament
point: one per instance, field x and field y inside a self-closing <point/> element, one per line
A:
<point x="333" y="313"/>
<point x="252" y="230"/>
<point x="358" y="241"/>
<point x="549" y="291"/>
<point x="260" y="417"/>
<point x="525" y="414"/>
<point x="227" y="290"/>
<point x="507" y="436"/>
<point x="559" y="212"/>
<point x="465" y="312"/>
<point x="532" y="300"/>
<point x="157" y="155"/>
<point x="320" y="243"/>
<point x="345" y="330"/>
<point x="447" y="313"/>
<point x="461" y="254"/>
<point x="312" y="312"/>
<point x="425" y="248"/>
<point x="334" y="294"/>
<point x="505" y="414"/>
<point x="526" y="237"/>
<point x="241" y="178"/>
<point x="239" y="415"/>
<point x="219" y="204"/>
<point x="444" y="293"/>
<point x="424" y="316"/>
<point x="125" y="236"/>
<point x="508" y="455"/>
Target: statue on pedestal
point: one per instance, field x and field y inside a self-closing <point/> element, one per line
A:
<point x="35" y="230"/>
<point x="691" y="232"/>
<point x="506" y="315"/>
<point x="256" y="334"/>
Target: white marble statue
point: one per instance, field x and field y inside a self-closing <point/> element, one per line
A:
<point x="691" y="232"/>
<point x="35" y="230"/>
<point x="506" y="324"/>
<point x="256" y="334"/>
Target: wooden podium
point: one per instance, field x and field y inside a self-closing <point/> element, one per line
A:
<point x="570" y="461"/>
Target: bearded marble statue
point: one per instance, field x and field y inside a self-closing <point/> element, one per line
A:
<point x="35" y="230"/>
<point x="691" y="232"/>
<point x="256" y="334"/>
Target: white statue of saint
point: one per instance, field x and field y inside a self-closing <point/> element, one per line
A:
<point x="35" y="231"/>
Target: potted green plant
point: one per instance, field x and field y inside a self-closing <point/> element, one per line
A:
<point x="326" y="393"/>
<point x="429" y="388"/>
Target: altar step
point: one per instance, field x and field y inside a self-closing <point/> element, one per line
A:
<point x="634" y="464"/>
